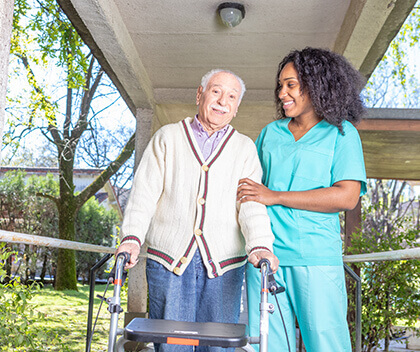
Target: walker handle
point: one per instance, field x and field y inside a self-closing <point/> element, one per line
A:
<point x="126" y="258"/>
<point x="120" y="261"/>
<point x="264" y="261"/>
<point x="272" y="284"/>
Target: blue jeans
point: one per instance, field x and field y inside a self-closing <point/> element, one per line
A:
<point x="193" y="297"/>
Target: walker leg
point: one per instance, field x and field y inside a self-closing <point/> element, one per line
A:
<point x="119" y="346"/>
<point x="247" y="348"/>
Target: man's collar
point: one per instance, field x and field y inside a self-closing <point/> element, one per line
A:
<point x="201" y="129"/>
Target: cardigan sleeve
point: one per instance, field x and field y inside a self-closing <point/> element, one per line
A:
<point x="145" y="192"/>
<point x="252" y="216"/>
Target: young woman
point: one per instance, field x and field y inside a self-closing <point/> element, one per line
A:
<point x="313" y="168"/>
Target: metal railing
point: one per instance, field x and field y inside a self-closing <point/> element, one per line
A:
<point x="404" y="254"/>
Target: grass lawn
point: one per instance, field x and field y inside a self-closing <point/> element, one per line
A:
<point x="66" y="313"/>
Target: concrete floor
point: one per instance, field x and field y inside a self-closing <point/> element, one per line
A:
<point x="396" y="346"/>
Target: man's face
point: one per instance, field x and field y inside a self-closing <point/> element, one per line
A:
<point x="218" y="104"/>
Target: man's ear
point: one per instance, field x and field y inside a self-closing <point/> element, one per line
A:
<point x="199" y="92"/>
<point x="236" y="111"/>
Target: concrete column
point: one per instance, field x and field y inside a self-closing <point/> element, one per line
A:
<point x="137" y="285"/>
<point x="6" y="20"/>
<point x="144" y="119"/>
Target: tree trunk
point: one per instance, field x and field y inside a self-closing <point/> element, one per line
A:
<point x="67" y="210"/>
<point x="66" y="261"/>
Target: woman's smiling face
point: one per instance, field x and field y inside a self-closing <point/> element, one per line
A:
<point x="295" y="102"/>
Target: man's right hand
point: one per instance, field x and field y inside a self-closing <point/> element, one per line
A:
<point x="131" y="248"/>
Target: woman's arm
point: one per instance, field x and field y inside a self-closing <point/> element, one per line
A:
<point x="341" y="196"/>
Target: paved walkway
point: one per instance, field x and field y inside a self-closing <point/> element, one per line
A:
<point x="396" y="346"/>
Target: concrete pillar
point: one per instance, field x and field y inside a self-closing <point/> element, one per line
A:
<point x="6" y="20"/>
<point x="137" y="285"/>
<point x="144" y="118"/>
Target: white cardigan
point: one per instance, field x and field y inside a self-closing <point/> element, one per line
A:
<point x="179" y="201"/>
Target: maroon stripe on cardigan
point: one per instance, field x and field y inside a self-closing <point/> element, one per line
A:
<point x="210" y="260"/>
<point x="187" y="251"/>
<point x="191" y="142"/>
<point x="132" y="238"/>
<point x="232" y="261"/>
<point x="258" y="248"/>
<point x="160" y="254"/>
<point x="222" y="147"/>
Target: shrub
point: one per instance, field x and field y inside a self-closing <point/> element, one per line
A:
<point x="21" y="327"/>
<point x="390" y="289"/>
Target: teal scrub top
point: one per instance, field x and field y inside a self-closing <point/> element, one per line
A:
<point x="320" y="158"/>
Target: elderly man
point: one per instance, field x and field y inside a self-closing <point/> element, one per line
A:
<point x="183" y="206"/>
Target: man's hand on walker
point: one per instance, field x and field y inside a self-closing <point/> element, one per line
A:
<point x="132" y="249"/>
<point x="255" y="258"/>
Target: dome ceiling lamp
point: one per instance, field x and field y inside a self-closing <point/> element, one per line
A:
<point x="231" y="13"/>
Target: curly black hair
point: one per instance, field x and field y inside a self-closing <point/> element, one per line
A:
<point x="332" y="83"/>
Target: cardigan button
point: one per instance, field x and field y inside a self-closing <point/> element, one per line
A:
<point x="198" y="232"/>
<point x="201" y="201"/>
<point x="183" y="260"/>
<point x="177" y="271"/>
<point x="205" y="168"/>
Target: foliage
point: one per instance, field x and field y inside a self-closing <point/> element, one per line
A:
<point x="43" y="39"/>
<point x="23" y="210"/>
<point x="390" y="289"/>
<point x="21" y="327"/>
<point x="394" y="83"/>
<point x="94" y="225"/>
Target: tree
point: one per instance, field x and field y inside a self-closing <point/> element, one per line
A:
<point x="394" y="83"/>
<point x="23" y="211"/>
<point x="43" y="36"/>
<point x="95" y="225"/>
<point x="390" y="289"/>
<point x="97" y="148"/>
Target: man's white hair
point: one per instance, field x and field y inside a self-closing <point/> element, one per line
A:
<point x="206" y="78"/>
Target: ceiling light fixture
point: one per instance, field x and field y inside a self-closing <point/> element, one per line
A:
<point x="231" y="13"/>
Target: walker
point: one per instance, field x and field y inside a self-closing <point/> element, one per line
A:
<point x="189" y="333"/>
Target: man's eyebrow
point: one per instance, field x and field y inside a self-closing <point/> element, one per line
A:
<point x="220" y="85"/>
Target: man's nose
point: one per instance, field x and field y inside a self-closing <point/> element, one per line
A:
<point x="222" y="99"/>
